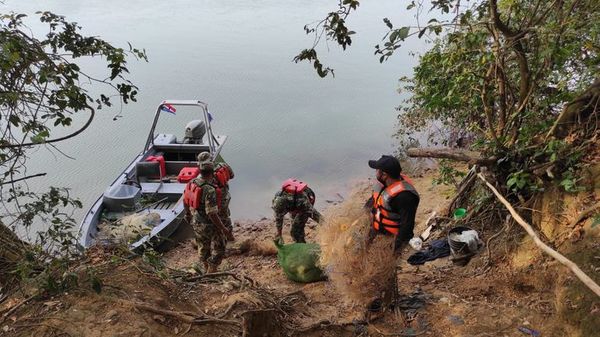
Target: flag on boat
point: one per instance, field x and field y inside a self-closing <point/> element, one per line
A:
<point x="168" y="108"/>
<point x="210" y="117"/>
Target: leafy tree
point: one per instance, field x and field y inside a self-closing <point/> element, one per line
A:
<point x="40" y="92"/>
<point x="516" y="75"/>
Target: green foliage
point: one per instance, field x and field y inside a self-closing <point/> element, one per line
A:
<point x="521" y="181"/>
<point x="447" y="174"/>
<point x="40" y="92"/>
<point x="502" y="71"/>
<point x="153" y="258"/>
<point x="334" y="28"/>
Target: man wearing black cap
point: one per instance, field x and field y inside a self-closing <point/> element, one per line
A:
<point x="394" y="202"/>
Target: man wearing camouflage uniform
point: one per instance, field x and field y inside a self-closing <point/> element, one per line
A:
<point x="224" y="211"/>
<point x="300" y="207"/>
<point x="209" y="229"/>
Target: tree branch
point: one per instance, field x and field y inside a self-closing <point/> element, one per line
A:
<point x="593" y="286"/>
<point x="23" y="178"/>
<point x="85" y="126"/>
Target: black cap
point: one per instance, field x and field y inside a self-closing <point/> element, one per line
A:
<point x="387" y="164"/>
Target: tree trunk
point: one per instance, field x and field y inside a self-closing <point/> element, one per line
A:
<point x="453" y="154"/>
<point x="568" y="118"/>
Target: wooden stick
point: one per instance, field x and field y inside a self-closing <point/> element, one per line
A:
<point x="559" y="257"/>
<point x="184" y="316"/>
<point x="15" y="307"/>
<point x="586" y="213"/>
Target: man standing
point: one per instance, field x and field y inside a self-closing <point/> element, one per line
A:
<point x="203" y="204"/>
<point x="222" y="174"/>
<point x="296" y="198"/>
<point x="394" y="202"/>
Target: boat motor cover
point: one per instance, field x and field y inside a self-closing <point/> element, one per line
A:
<point x="195" y="130"/>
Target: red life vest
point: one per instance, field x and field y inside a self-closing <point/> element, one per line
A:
<point x="223" y="174"/>
<point x="384" y="218"/>
<point x="295" y="187"/>
<point x="192" y="194"/>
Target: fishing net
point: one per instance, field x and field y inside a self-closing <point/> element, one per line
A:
<point x="299" y="261"/>
<point x="128" y="228"/>
<point x="359" y="272"/>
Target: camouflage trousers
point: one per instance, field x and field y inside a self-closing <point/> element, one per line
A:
<point x="226" y="220"/>
<point x="298" y="223"/>
<point x="209" y="241"/>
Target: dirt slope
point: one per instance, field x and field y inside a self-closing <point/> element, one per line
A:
<point x="439" y="298"/>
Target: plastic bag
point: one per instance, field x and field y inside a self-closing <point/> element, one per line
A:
<point x="299" y="261"/>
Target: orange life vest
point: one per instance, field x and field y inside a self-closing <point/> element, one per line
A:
<point x="384" y="218"/>
<point x="192" y="194"/>
<point x="223" y="174"/>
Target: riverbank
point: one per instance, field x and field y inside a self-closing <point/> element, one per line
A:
<point x="494" y="295"/>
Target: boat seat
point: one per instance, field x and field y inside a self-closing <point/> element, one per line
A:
<point x="148" y="171"/>
<point x="163" y="189"/>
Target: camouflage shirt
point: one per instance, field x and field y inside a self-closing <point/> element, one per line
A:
<point x="209" y="201"/>
<point x="285" y="202"/>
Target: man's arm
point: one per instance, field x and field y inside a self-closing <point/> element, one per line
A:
<point x="315" y="215"/>
<point x="279" y="212"/>
<point x="187" y="214"/>
<point x="405" y="204"/>
<point x="214" y="218"/>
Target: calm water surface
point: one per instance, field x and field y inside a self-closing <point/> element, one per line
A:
<point x="282" y="120"/>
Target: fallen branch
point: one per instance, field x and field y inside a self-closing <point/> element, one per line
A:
<point x="465" y="184"/>
<point x="487" y="244"/>
<point x="585" y="214"/>
<point x="183" y="316"/>
<point x="400" y="334"/>
<point x="16" y="306"/>
<point x="453" y="154"/>
<point x="221" y="274"/>
<point x="320" y="325"/>
<point x="556" y="255"/>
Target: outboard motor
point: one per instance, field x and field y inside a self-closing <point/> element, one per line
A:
<point x="194" y="132"/>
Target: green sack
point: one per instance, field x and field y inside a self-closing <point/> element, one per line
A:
<point x="299" y="261"/>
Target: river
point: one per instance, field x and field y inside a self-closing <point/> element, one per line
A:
<point x="281" y="118"/>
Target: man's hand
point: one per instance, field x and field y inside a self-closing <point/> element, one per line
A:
<point x="214" y="218"/>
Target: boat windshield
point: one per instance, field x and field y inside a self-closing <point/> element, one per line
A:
<point x="175" y="122"/>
